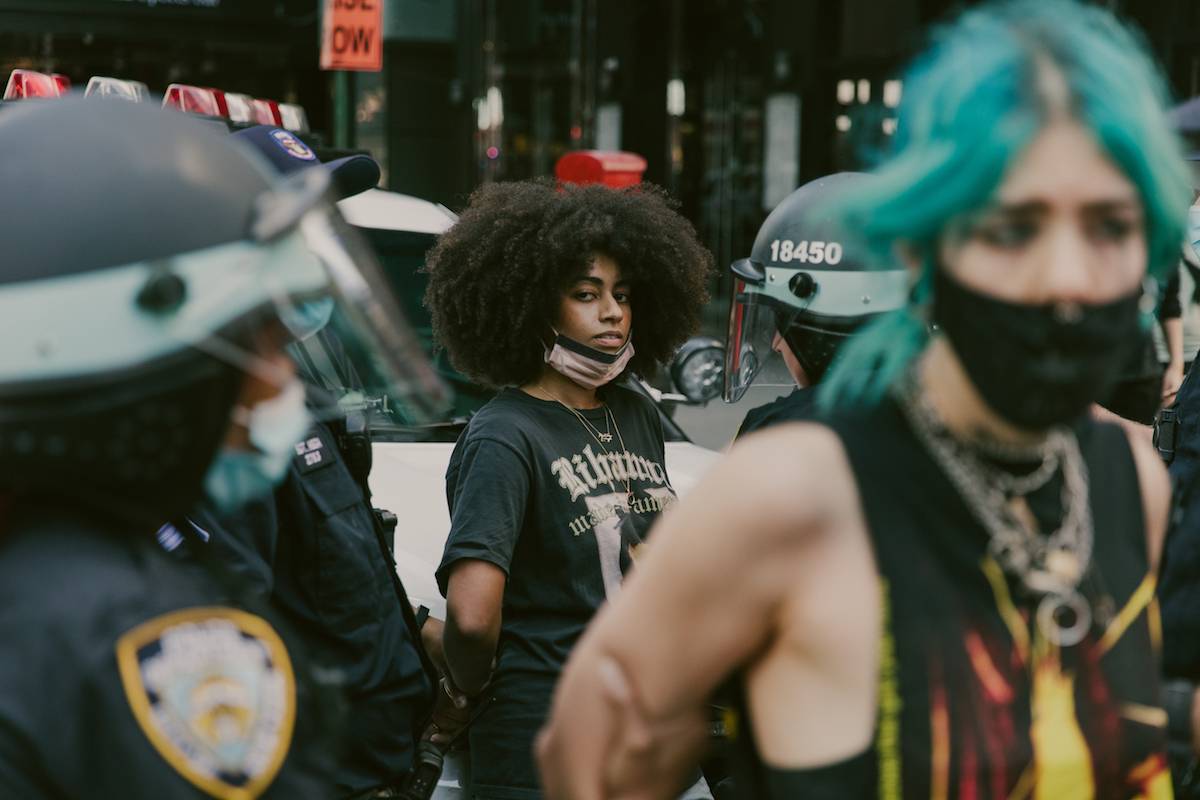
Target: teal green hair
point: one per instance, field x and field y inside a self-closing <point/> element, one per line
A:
<point x="972" y="104"/>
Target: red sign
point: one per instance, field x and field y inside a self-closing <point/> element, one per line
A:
<point x="352" y="35"/>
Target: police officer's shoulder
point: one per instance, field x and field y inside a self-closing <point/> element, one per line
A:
<point x="201" y="680"/>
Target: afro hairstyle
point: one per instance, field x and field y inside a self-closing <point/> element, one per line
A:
<point x="497" y="277"/>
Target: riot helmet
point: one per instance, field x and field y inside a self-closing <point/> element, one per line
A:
<point x="145" y="252"/>
<point x="806" y="287"/>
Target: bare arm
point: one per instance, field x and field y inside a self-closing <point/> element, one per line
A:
<point x="474" y="599"/>
<point x="707" y="597"/>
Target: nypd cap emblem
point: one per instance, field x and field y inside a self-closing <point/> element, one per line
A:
<point x="293" y="146"/>
<point x="214" y="692"/>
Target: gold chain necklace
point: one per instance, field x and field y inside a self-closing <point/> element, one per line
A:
<point x="600" y="438"/>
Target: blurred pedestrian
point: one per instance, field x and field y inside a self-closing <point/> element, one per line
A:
<point x="550" y="294"/>
<point x="949" y="591"/>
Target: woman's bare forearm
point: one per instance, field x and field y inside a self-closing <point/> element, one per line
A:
<point x="469" y="657"/>
<point x="474" y="599"/>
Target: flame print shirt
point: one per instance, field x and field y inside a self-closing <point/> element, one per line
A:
<point x="974" y="701"/>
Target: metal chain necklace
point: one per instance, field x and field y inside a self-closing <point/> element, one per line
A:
<point x="601" y="438"/>
<point x="1049" y="567"/>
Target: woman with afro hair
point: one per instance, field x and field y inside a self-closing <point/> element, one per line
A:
<point x="550" y="294"/>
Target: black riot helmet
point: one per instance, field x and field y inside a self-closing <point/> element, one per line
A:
<point x="805" y="283"/>
<point x="143" y="252"/>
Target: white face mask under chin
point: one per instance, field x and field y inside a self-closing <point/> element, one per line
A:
<point x="276" y="425"/>
<point x="237" y="477"/>
<point x="587" y="366"/>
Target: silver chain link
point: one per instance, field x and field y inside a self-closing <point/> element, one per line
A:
<point x="1051" y="567"/>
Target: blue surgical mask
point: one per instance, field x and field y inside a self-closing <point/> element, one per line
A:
<point x="274" y="426"/>
<point x="307" y="319"/>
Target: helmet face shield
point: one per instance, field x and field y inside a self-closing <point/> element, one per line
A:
<point x="751" y="355"/>
<point x="366" y="356"/>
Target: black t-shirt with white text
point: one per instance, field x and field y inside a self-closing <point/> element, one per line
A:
<point x="532" y="490"/>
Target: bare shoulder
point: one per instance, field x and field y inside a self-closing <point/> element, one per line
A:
<point x="807" y="449"/>
<point x="801" y="474"/>
<point x="1155" y="487"/>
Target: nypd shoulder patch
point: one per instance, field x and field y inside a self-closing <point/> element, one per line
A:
<point x="214" y="692"/>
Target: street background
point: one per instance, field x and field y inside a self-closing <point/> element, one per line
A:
<point x="732" y="103"/>
<point x="714" y="425"/>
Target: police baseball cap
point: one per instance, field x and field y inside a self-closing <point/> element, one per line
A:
<point x="284" y="149"/>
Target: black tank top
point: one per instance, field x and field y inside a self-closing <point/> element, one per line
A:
<point x="973" y="702"/>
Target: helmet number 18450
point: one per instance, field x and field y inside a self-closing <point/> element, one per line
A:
<point x="785" y="250"/>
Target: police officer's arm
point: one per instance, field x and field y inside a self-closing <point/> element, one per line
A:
<point x="473" y="603"/>
<point x="711" y="592"/>
<point x="1183" y="711"/>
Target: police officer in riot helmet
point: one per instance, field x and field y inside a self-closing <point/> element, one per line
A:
<point x="156" y="273"/>
<point x="799" y="296"/>
<point x="316" y="549"/>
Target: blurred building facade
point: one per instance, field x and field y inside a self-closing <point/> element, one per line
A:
<point x="733" y="103"/>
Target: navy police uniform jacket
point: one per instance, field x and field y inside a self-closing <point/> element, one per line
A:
<point x="798" y="406"/>
<point x="1179" y="578"/>
<point x="125" y="673"/>
<point x="313" y="550"/>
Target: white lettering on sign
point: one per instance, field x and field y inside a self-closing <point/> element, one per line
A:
<point x="352" y="35"/>
<point x="786" y="251"/>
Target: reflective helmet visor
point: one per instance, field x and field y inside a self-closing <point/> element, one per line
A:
<point x="752" y="354"/>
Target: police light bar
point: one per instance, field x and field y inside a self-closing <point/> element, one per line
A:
<point x="239" y="107"/>
<point x="62" y="82"/>
<point x="266" y="112"/>
<point x="133" y="91"/>
<point x="26" y="83"/>
<point x="294" y="117"/>
<point x="192" y="99"/>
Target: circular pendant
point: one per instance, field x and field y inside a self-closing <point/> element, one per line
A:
<point x="1064" y="619"/>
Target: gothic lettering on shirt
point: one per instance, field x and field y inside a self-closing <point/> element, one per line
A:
<point x="581" y="473"/>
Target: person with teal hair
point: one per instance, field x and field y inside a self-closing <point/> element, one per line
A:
<point x="945" y="590"/>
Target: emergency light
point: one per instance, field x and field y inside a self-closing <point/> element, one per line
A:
<point x="239" y="108"/>
<point x="192" y="99"/>
<point x="266" y="112"/>
<point x="26" y="83"/>
<point x="294" y="117"/>
<point x="133" y="91"/>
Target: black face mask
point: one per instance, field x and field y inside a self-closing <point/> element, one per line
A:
<point x="1032" y="364"/>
